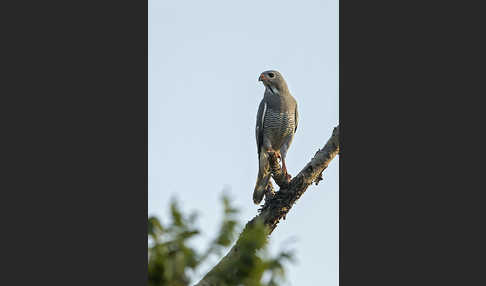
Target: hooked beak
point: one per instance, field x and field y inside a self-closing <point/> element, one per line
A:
<point x="262" y="78"/>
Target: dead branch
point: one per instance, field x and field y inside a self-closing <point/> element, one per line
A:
<point x="279" y="204"/>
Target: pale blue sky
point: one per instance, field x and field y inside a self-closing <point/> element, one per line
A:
<point x="204" y="61"/>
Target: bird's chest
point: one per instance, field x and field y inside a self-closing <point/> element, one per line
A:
<point x="278" y="125"/>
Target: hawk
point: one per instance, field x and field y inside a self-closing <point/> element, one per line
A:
<point x="276" y="124"/>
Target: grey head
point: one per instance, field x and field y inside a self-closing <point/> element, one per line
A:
<point x="274" y="82"/>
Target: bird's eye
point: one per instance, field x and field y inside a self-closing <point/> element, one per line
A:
<point x="271" y="74"/>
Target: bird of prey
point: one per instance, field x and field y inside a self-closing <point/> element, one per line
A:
<point x="276" y="123"/>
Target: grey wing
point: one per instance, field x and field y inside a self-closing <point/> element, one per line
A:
<point x="296" y="118"/>
<point x="259" y="124"/>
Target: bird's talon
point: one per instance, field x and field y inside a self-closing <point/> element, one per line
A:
<point x="288" y="176"/>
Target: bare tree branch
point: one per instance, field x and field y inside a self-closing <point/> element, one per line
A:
<point x="278" y="204"/>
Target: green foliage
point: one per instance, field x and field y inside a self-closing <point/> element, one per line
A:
<point x="169" y="255"/>
<point x="171" y="259"/>
<point x="254" y="260"/>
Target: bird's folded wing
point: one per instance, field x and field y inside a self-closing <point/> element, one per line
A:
<point x="296" y="117"/>
<point x="259" y="124"/>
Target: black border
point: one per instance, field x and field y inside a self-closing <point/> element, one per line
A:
<point x="77" y="74"/>
<point x="409" y="205"/>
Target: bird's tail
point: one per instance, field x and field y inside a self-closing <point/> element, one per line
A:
<point x="262" y="179"/>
